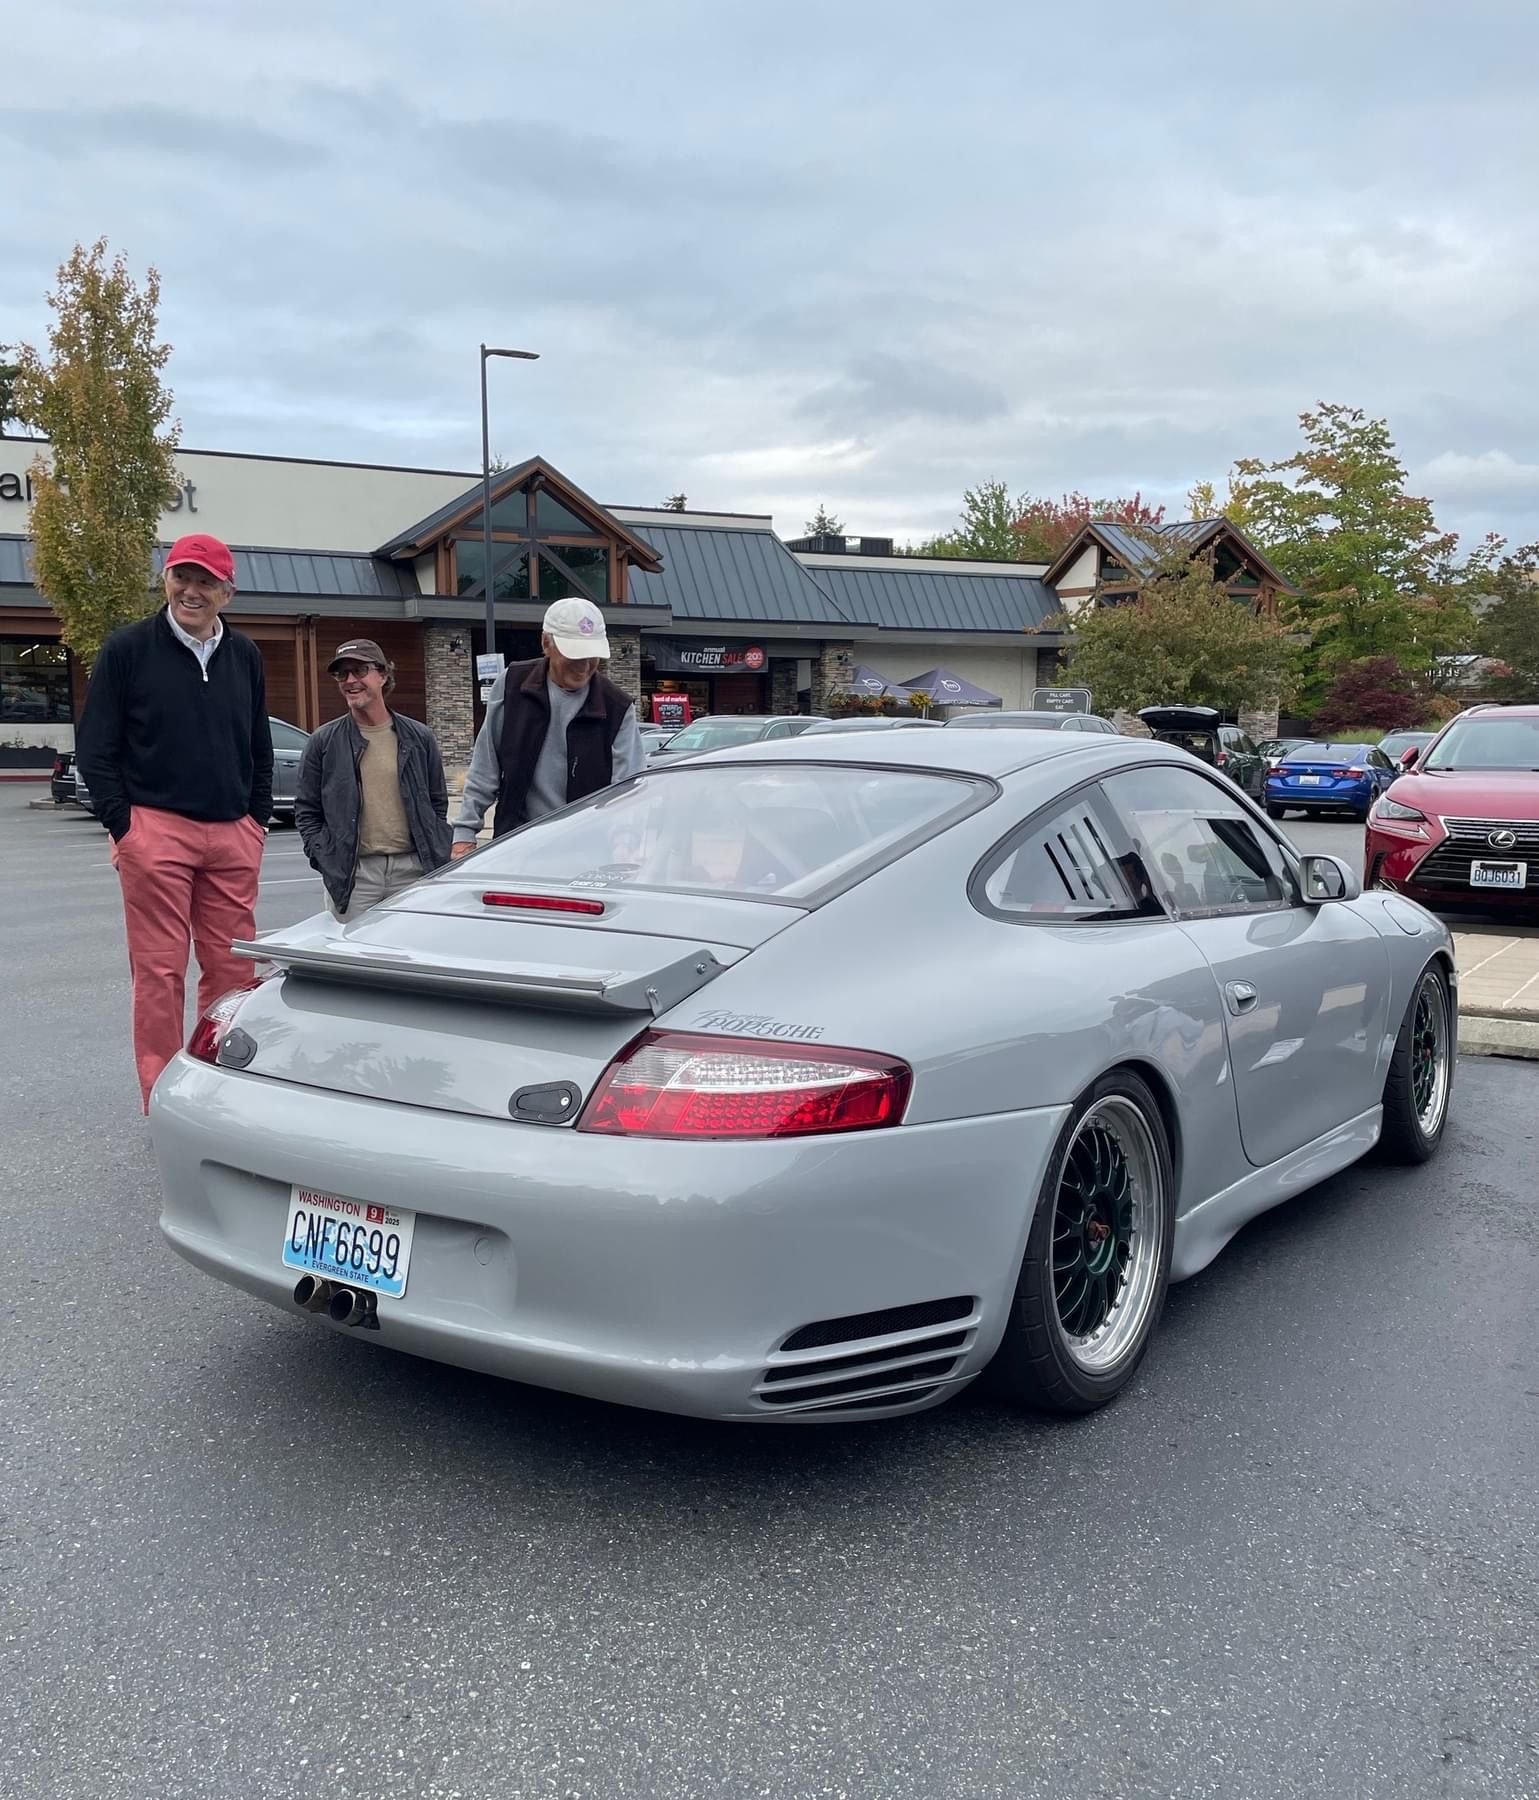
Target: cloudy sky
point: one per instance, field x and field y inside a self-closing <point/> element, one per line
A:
<point x="868" y="254"/>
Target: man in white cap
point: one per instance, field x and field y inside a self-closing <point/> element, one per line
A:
<point x="556" y="730"/>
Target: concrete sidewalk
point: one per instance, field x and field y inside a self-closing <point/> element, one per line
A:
<point x="1498" y="993"/>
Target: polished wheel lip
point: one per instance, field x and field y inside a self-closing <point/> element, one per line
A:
<point x="1116" y="1141"/>
<point x="1429" y="1054"/>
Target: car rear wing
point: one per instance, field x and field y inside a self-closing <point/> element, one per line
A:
<point x="562" y="988"/>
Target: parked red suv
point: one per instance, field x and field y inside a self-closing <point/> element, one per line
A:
<point x="1462" y="824"/>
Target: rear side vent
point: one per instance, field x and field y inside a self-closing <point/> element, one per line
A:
<point x="879" y="1324"/>
<point x="894" y="1357"/>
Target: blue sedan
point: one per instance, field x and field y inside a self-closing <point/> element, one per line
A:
<point x="1328" y="778"/>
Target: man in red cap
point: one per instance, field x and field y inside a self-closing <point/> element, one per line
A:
<point x="176" y="750"/>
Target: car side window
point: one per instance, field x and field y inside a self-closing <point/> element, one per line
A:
<point x="1203" y="852"/>
<point x="287" y="737"/>
<point x="1071" y="866"/>
<point x="1071" y="724"/>
<point x="782" y="728"/>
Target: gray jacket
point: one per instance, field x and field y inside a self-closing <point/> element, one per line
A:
<point x="328" y="799"/>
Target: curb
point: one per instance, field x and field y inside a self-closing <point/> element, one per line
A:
<point x="1499" y="1034"/>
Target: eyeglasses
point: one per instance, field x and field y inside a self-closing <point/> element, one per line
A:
<point x="346" y="671"/>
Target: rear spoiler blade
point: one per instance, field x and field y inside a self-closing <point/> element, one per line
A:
<point x="565" y="990"/>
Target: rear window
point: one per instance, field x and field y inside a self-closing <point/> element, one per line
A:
<point x="753" y="830"/>
<point x="1010" y="721"/>
<point x="1334" y="754"/>
<point x="716" y="734"/>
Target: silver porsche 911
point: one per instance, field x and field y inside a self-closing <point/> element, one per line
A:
<point x="811" y="1080"/>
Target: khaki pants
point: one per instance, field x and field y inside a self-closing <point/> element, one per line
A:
<point x="376" y="879"/>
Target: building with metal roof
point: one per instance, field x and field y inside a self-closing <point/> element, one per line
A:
<point x="713" y="605"/>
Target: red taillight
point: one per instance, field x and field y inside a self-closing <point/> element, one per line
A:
<point x="675" y="1084"/>
<point x="209" y="1032"/>
<point x="1222" y="758"/>
<point x="559" y="903"/>
<point x="1357" y="771"/>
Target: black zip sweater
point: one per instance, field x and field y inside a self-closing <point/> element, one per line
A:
<point x="159" y="731"/>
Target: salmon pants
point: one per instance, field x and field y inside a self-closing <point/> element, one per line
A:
<point x="184" y="883"/>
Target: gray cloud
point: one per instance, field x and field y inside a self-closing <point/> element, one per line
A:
<point x="881" y="387"/>
<point x="873" y="274"/>
<point x="87" y="134"/>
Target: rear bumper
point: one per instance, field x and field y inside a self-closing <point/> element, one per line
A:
<point x="652" y="1274"/>
<point x="1340" y="798"/>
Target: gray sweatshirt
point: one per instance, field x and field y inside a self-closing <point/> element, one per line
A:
<point x="547" y="788"/>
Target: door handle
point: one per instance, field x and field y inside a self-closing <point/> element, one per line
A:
<point x="1240" y="995"/>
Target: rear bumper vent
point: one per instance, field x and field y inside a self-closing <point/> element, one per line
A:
<point x="894" y="1357"/>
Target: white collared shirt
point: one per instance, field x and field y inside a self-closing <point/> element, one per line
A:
<point x="202" y="648"/>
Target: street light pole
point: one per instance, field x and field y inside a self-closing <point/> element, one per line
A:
<point x="486" y="493"/>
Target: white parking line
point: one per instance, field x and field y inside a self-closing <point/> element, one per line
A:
<point x="1501" y="950"/>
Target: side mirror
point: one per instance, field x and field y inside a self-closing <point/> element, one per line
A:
<point x="1328" y="878"/>
<point x="1409" y="755"/>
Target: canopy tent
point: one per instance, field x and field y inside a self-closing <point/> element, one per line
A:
<point x="866" y="684"/>
<point x="946" y="689"/>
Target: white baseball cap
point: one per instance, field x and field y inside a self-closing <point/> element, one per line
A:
<point x="577" y="626"/>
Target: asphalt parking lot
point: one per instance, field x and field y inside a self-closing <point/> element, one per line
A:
<point x="242" y="1556"/>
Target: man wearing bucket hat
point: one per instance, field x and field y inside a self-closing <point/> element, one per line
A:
<point x="556" y="729"/>
<point x="371" y="803"/>
<point x="175" y="747"/>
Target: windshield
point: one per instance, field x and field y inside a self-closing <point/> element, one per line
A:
<point x="1488" y="742"/>
<point x="1328" y="753"/>
<point x="785" y="831"/>
<point x="716" y="734"/>
<point x="1403" y="740"/>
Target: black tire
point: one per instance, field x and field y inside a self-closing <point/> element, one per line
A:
<point x="1410" y="1134"/>
<point x="1276" y="812"/>
<point x="1041" y="1364"/>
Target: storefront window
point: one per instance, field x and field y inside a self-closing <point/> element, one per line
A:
<point x="588" y="561"/>
<point x="34" y="683"/>
<point x="512" y="566"/>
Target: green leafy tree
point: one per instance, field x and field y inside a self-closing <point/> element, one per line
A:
<point x="824" y="524"/>
<point x="987" y="529"/>
<point x="99" y="400"/>
<point x="8" y="374"/>
<point x="1508" y="631"/>
<point x="1337" y="520"/>
<point x="1182" y="639"/>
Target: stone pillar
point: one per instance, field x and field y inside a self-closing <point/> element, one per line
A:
<point x="782" y="684"/>
<point x="1259" y="722"/>
<point x="832" y="668"/>
<point x="624" y="666"/>
<point x="451" y="712"/>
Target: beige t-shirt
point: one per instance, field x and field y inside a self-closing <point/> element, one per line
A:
<point x="382" y="828"/>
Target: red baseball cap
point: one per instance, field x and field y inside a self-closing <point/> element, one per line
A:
<point x="206" y="552"/>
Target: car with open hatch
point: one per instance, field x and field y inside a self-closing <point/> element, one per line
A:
<point x="810" y="1080"/>
<point x="1203" y="732"/>
<point x="1459" y="829"/>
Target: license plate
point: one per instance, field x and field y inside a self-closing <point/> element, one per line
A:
<point x="350" y="1241"/>
<point x="1498" y="875"/>
<point x="1309" y="780"/>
